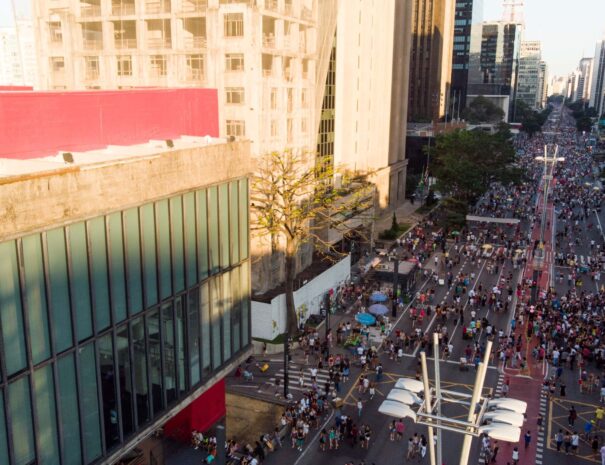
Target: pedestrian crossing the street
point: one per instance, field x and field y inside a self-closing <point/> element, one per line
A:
<point x="294" y="378"/>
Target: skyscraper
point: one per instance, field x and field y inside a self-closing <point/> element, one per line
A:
<point x="431" y="59"/>
<point x="467" y="30"/>
<point x="598" y="75"/>
<point x="529" y="89"/>
<point x="585" y="68"/>
<point x="18" y="54"/>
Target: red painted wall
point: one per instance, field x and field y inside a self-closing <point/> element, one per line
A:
<point x="36" y="124"/>
<point x="200" y="415"/>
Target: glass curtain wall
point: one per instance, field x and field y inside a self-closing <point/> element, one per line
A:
<point x="106" y="323"/>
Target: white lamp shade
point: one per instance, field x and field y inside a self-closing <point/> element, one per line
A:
<point x="397" y="410"/>
<point x="505" y="403"/>
<point x="403" y="396"/>
<point x="410" y="384"/>
<point x="501" y="432"/>
<point x="505" y="416"/>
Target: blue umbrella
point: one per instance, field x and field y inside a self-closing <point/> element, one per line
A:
<point x="378" y="309"/>
<point x="378" y="297"/>
<point x="365" y="319"/>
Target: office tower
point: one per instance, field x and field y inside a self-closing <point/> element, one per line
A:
<point x="529" y="88"/>
<point x="598" y="75"/>
<point x="543" y="83"/>
<point x="467" y="30"/>
<point x="585" y="68"/>
<point x="431" y="59"/>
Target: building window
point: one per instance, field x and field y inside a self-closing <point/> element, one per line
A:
<point x="274" y="98"/>
<point x="234" y="95"/>
<point x="234" y="24"/>
<point x="124" y="65"/>
<point x="274" y="128"/>
<point x="158" y="65"/>
<point x="91" y="67"/>
<point x="234" y="62"/>
<point x="195" y="67"/>
<point x="304" y="100"/>
<point x="236" y="128"/>
<point x="303" y="126"/>
<point x="57" y="64"/>
<point x="56" y="34"/>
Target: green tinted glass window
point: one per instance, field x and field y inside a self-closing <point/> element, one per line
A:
<point x="227" y="302"/>
<point x="216" y="311"/>
<point x="205" y="316"/>
<point x="243" y="218"/>
<point x="100" y="280"/>
<point x="202" y="234"/>
<point x="164" y="260"/>
<point x="213" y="239"/>
<point x="234" y="222"/>
<point x="245" y="301"/>
<point x="59" y="288"/>
<point x="44" y="392"/>
<point x="133" y="260"/>
<point x="91" y="418"/>
<point x="140" y="368"/>
<point x="236" y="313"/>
<point x="178" y="250"/>
<point x="68" y="406"/>
<point x="116" y="266"/>
<point x="21" y="426"/>
<point x="223" y="210"/>
<point x="80" y="287"/>
<point x="11" y="314"/>
<point x="35" y="292"/>
<point x="149" y="255"/>
<point x="3" y="435"/>
<point x="193" y="334"/>
<point x="190" y="238"/>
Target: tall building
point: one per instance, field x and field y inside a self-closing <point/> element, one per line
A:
<point x="18" y="54"/>
<point x="467" y="30"/>
<point x="495" y="64"/>
<point x="529" y="88"/>
<point x="370" y="93"/>
<point x="585" y="68"/>
<point x="597" y="89"/>
<point x="261" y="57"/>
<point x="125" y="272"/>
<point x="543" y="84"/>
<point x="431" y="59"/>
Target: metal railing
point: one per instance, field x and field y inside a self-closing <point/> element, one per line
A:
<point x="125" y="43"/>
<point x="123" y="9"/>
<point x="272" y="5"/>
<point x="87" y="11"/>
<point x="91" y="75"/>
<point x="268" y="41"/>
<point x="92" y="44"/>
<point x="267" y="72"/>
<point x="195" y="74"/>
<point x="194" y="6"/>
<point x="158" y="7"/>
<point x="165" y="42"/>
<point x="195" y="42"/>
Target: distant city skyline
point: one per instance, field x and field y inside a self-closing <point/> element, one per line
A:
<point x="566" y="36"/>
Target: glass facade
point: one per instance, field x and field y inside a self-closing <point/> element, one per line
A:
<point x="107" y="323"/>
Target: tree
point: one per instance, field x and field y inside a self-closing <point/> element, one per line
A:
<point x="293" y="198"/>
<point x="465" y="163"/>
<point x="584" y="123"/>
<point x="483" y="110"/>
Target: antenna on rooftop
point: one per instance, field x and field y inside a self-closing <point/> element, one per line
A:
<point x="513" y="11"/>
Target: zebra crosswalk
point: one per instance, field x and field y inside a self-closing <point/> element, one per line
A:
<point x="301" y="383"/>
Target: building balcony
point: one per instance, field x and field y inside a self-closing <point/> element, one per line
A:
<point x="194" y="6"/>
<point x="89" y="11"/>
<point x="123" y="9"/>
<point x="165" y="42"/>
<point x="288" y="9"/>
<point x="267" y="72"/>
<point x="272" y="5"/>
<point x="92" y="44"/>
<point x="91" y="75"/>
<point x="306" y="14"/>
<point x="157" y="7"/>
<point x="121" y="44"/>
<point x="268" y="41"/>
<point x="194" y="42"/>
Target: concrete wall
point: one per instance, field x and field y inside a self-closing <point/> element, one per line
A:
<point x="268" y="319"/>
<point x="33" y="202"/>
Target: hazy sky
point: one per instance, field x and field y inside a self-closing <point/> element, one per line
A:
<point x="568" y="29"/>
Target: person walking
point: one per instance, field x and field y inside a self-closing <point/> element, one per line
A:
<point x="515" y="456"/>
<point x="527" y="438"/>
<point x="571" y="418"/>
<point x="559" y="440"/>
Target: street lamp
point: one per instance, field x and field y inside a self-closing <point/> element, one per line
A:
<point x="504" y="417"/>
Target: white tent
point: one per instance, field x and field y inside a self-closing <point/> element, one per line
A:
<point x="505" y="403"/>
<point x="396" y="409"/>
<point x="505" y="416"/>
<point x="404" y="396"/>
<point x="501" y="432"/>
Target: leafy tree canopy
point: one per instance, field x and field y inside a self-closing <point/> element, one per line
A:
<point x="465" y="163"/>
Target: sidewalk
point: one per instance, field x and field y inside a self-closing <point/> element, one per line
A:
<point x="406" y="212"/>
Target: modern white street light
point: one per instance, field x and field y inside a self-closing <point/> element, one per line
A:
<point x="504" y="417"/>
<point x="405" y="397"/>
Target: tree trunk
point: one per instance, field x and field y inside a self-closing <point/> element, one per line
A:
<point x="291" y="317"/>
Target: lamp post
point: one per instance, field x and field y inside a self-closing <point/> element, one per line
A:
<point x="505" y="415"/>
